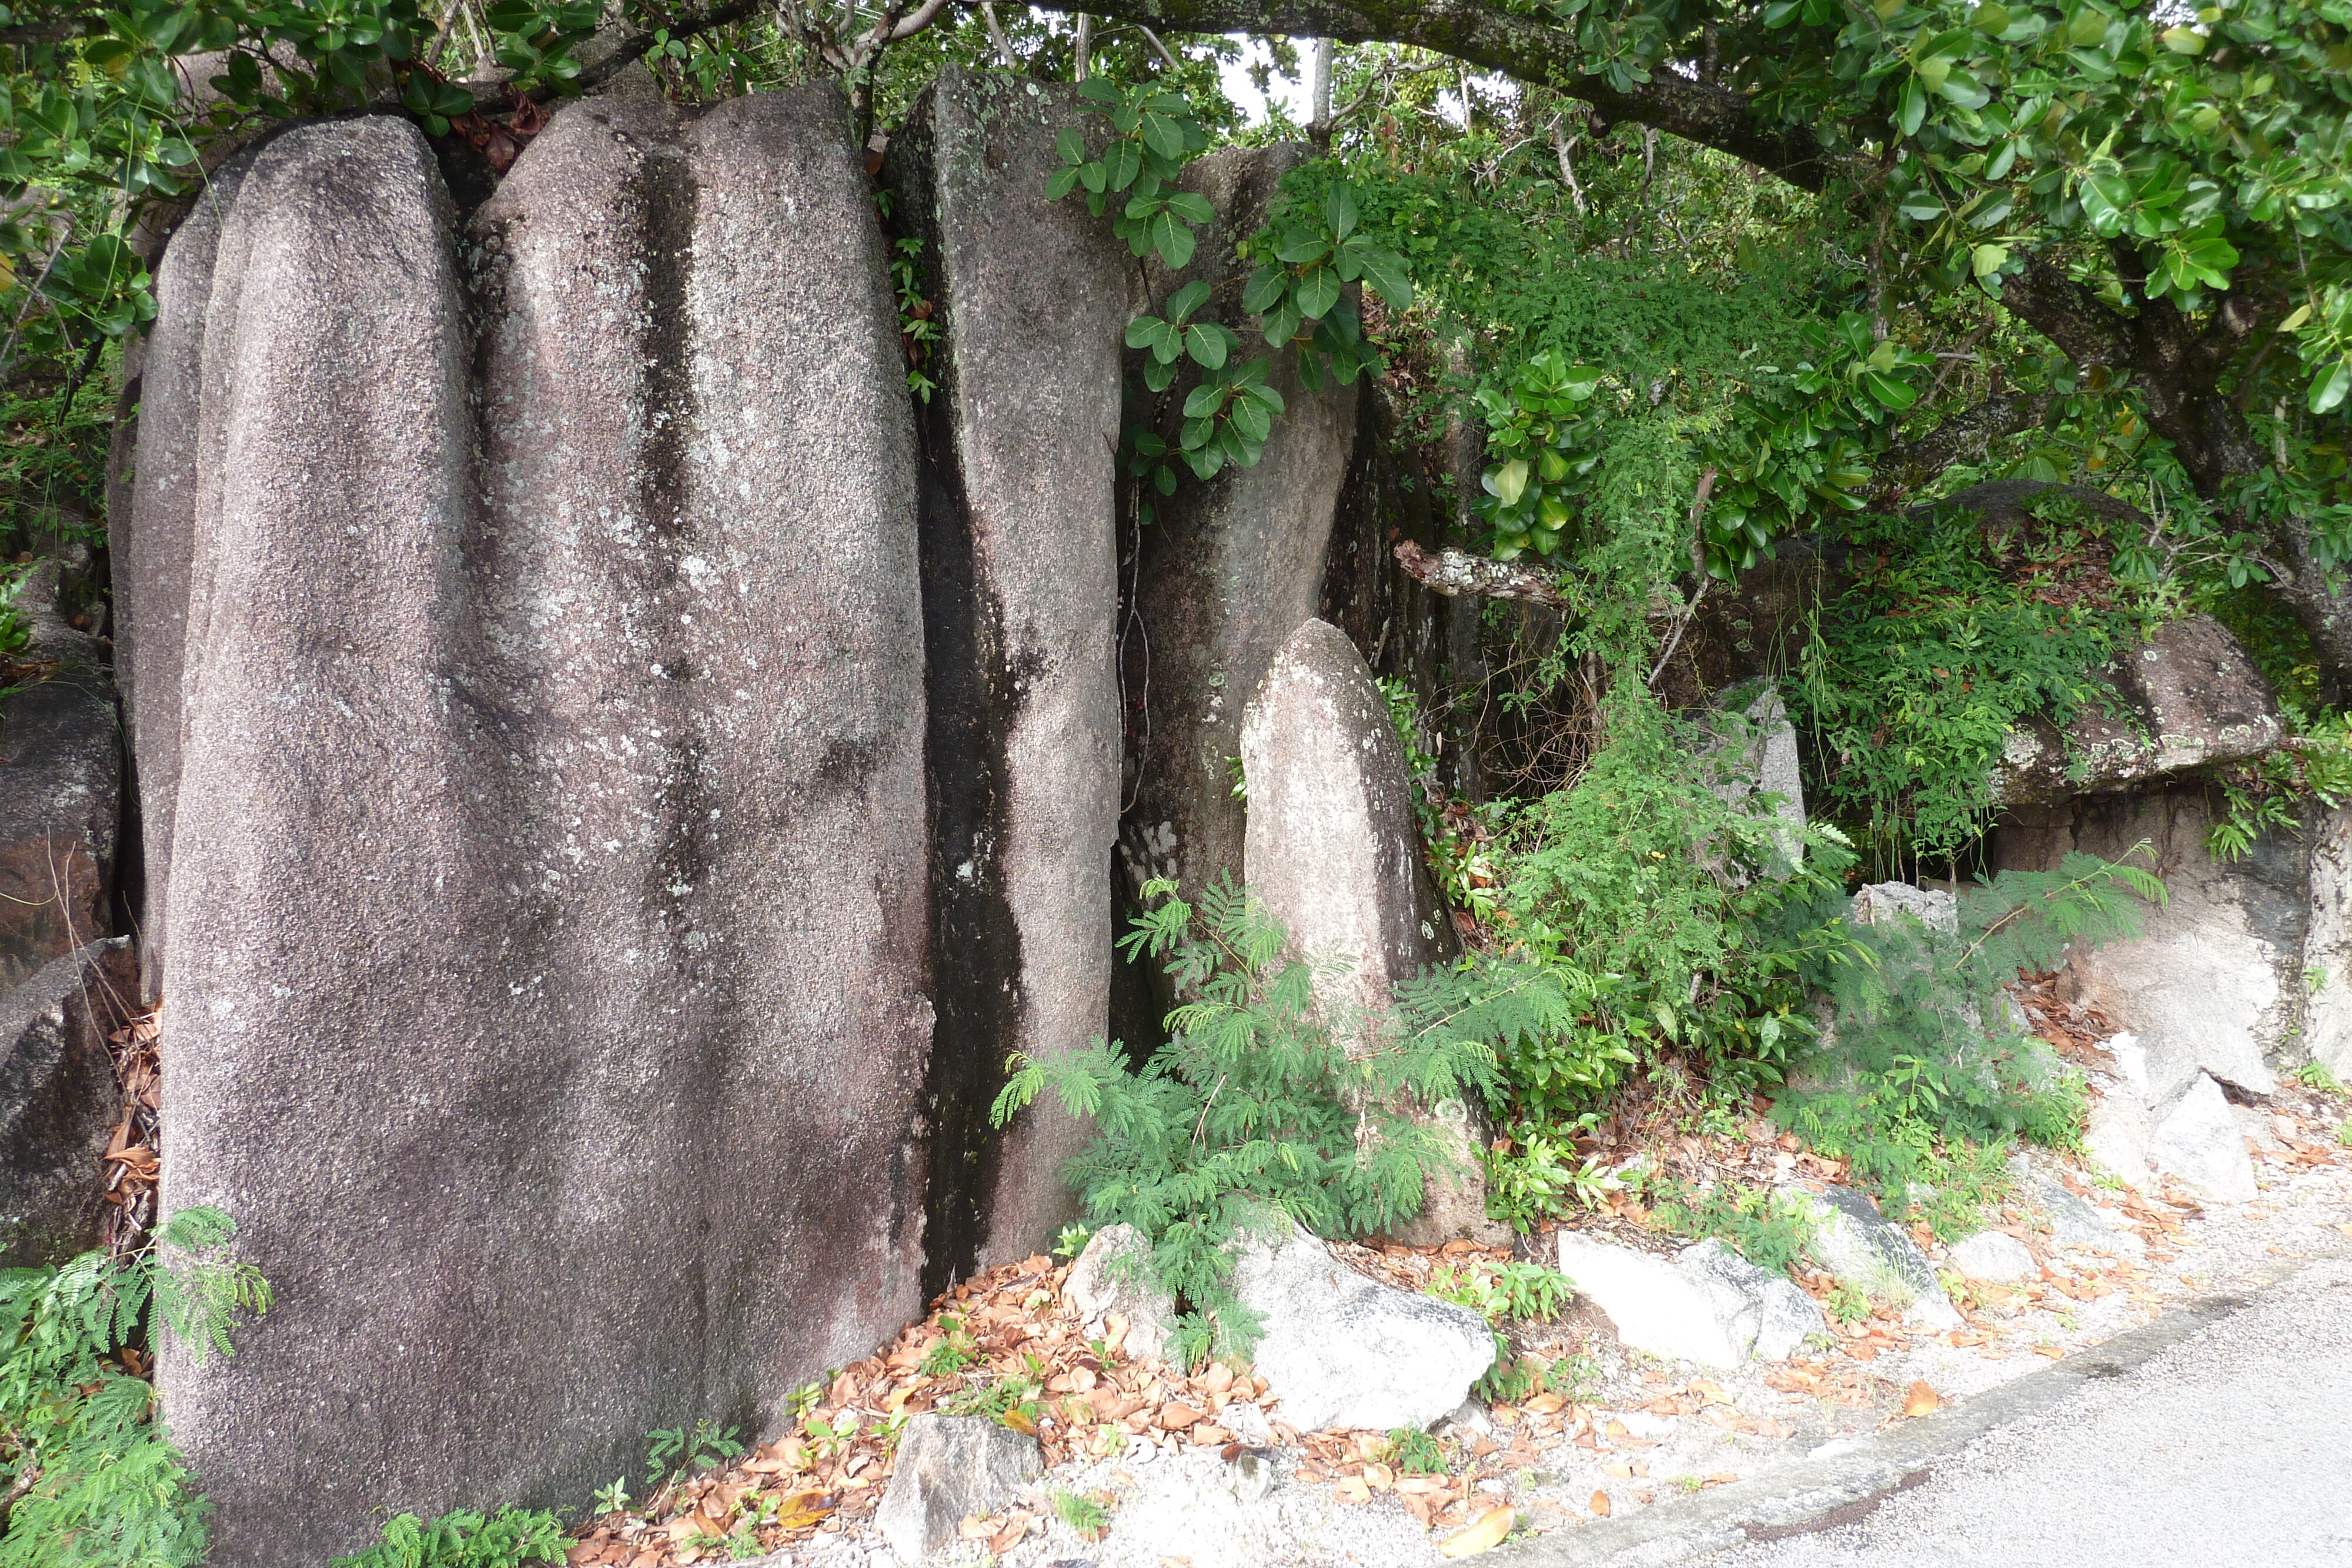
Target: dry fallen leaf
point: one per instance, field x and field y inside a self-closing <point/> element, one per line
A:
<point x="1488" y="1532"/>
<point x="1546" y="1404"/>
<point x="1378" y="1476"/>
<point x="1601" y="1504"/>
<point x="1021" y="1422"/>
<point x="1921" y="1399"/>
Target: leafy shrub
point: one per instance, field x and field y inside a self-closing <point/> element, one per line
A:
<point x="92" y="1476"/>
<point x="1255" y="1105"/>
<point x="1922" y="1067"/>
<point x="1669" y="915"/>
<point x="464" y="1539"/>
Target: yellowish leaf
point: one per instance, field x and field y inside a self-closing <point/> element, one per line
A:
<point x="1486" y="1533"/>
<point x="1921" y="1400"/>
<point x="1601" y="1504"/>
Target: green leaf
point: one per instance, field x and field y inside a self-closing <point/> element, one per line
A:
<point x="1187" y="299"/>
<point x="1192" y="205"/>
<point x="1987" y="259"/>
<point x="1507" y="482"/>
<point x="2184" y="41"/>
<point x="1265" y="289"/>
<point x="1385" y="271"/>
<point x="1071" y="145"/>
<point x="2329" y="387"/>
<point x="1911" y="107"/>
<point x="1171" y="236"/>
<point x="1318" y="290"/>
<point x="1891" y="391"/>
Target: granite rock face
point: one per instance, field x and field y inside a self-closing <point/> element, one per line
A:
<point x="2216" y="982"/>
<point x="1108" y="1277"/>
<point x="1756" y="756"/>
<point x="1020" y="555"/>
<point x="1856" y="1243"/>
<point x="1333" y="848"/>
<point x="949" y="1467"/>
<point x="1229" y="568"/>
<point x="2187" y="697"/>
<point x="1708" y="1304"/>
<point x="58" y="1102"/>
<point x="2198" y="1141"/>
<point x="60" y="793"/>
<point x="551" y="758"/>
<point x="1341" y="1350"/>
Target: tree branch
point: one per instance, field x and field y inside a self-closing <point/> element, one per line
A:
<point x="1455" y="572"/>
<point x="1967" y="434"/>
<point x="1492" y="39"/>
<point x="2068" y="314"/>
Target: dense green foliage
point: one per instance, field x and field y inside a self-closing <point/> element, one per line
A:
<point x="90" y="1476"/>
<point x="1265" y="1101"/>
<point x="1925" y="1061"/>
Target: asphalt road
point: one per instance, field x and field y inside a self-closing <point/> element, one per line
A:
<point x="2233" y="1447"/>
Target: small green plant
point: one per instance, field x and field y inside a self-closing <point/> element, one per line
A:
<point x="2344" y="1134"/>
<point x="1500" y="1292"/>
<point x="1847" y="1303"/>
<point x="1770" y="1229"/>
<point x="613" y="1498"/>
<point x="1254" y="1114"/>
<point x="671" y="1451"/>
<point x="952" y="1352"/>
<point x="464" y="1539"/>
<point x="1575" y="1377"/>
<point x="2315" y="1075"/>
<point x="1509" y="1379"/>
<point x="1415" y="1453"/>
<point x="1072" y="1240"/>
<point x="917" y="331"/>
<point x="803" y="1399"/>
<point x="1688" y="1483"/>
<point x="88" y="1474"/>
<point x="832" y="1439"/>
<point x="1081" y="1513"/>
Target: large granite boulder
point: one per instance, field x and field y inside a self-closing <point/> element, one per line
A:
<point x="58" y="1102"/>
<point x="1334" y="850"/>
<point x="547" y="894"/>
<point x="60" y="790"/>
<point x="2188" y="698"/>
<point x="1020" y="555"/>
<point x="2216" y="983"/>
<point x="1229" y="566"/>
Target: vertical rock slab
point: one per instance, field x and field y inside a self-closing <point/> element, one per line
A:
<point x="58" y="1102"/>
<point x="2215" y="982"/>
<point x="548" y="885"/>
<point x="151" y="521"/>
<point x="2327" y="946"/>
<point x="60" y="793"/>
<point x="1333" y="850"/>
<point x="1019" y="517"/>
<point x="1230" y="567"/>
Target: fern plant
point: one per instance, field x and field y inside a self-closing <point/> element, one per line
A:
<point x="89" y="1475"/>
<point x="1255" y="1107"/>
<point x="465" y="1539"/>
<point x="1923" y="1068"/>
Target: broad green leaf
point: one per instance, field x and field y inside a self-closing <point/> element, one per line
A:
<point x="1911" y="107"/>
<point x="2329" y="386"/>
<point x="1318" y="290"/>
<point x="1192" y="205"/>
<point x="1891" y="391"/>
<point x="1207" y="345"/>
<point x="1384" y="271"/>
<point x="1187" y="299"/>
<point x="1507" y="482"/>
<point x="1071" y="145"/>
<point x="1171" y="236"/>
<point x="1263" y="289"/>
<point x="1987" y="259"/>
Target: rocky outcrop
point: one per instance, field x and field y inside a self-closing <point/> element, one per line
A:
<point x="1342" y="1351"/>
<point x="1333" y="848"/>
<point x="1108" y="1278"/>
<point x="1753" y="757"/>
<point x="2188" y="698"/>
<point x="2216" y="981"/>
<point x="1019" y="520"/>
<point x="1858" y="1245"/>
<point x="1332" y="845"/>
<point x="548" y="892"/>
<point x="58" y="1102"/>
<point x="1993" y="1255"/>
<point x="1228" y="568"/>
<point x="152" y="523"/>
<point x="1707" y="1306"/>
<point x="2197" y="1140"/>
<point x="1881" y="902"/>
<point x="950" y="1467"/>
<point x="60" y="790"/>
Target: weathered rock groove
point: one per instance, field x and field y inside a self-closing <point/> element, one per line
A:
<point x="1019" y="520"/>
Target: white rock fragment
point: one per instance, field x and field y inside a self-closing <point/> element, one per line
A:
<point x="2197" y="1141"/>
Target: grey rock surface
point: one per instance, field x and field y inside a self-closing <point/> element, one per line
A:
<point x="1756" y="756"/>
<point x="1343" y="1351"/>
<point x="948" y="1467"/>
<point x="1108" y="1277"/>
<point x="60" y="1102"/>
<point x="1785" y="1317"/>
<point x="2328" y="945"/>
<point x="1993" y="1255"/>
<point x="2076" y="1221"/>
<point x="2187" y="697"/>
<point x="1030" y="298"/>
<point x="1334" y="849"/>
<point x="553" y="756"/>
<point x="1885" y="901"/>
<point x="2214" y="983"/>
<point x="2197" y="1140"/>
<point x="60" y="791"/>
<point x="1656" y="1307"/>
<point x="152" y="534"/>
<point x="1862" y="1248"/>
<point x="1228" y="568"/>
